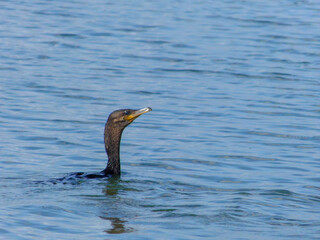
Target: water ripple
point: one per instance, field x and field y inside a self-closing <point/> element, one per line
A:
<point x="230" y="150"/>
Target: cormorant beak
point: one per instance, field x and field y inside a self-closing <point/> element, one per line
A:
<point x="137" y="113"/>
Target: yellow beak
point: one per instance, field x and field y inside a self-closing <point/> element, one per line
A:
<point x="137" y="113"/>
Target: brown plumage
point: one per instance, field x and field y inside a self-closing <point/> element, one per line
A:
<point x="115" y="124"/>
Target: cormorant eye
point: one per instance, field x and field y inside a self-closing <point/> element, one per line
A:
<point x="126" y="112"/>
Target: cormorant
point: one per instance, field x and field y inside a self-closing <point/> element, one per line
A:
<point x="115" y="124"/>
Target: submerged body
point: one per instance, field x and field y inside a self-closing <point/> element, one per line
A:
<point x="116" y="123"/>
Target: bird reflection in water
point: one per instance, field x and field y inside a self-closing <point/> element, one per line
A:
<point x="118" y="225"/>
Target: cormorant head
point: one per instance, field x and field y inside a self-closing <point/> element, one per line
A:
<point x="123" y="117"/>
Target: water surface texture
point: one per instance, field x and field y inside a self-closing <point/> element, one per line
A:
<point x="230" y="150"/>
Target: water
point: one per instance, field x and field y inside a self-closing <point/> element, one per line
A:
<point x="230" y="150"/>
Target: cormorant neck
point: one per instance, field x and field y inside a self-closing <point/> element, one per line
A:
<point x="112" y="137"/>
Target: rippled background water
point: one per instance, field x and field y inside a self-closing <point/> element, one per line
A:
<point x="230" y="150"/>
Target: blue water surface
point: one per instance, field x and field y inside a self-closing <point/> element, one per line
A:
<point x="230" y="150"/>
